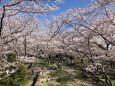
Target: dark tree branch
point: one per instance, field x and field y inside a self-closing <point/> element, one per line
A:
<point x="1" y="21"/>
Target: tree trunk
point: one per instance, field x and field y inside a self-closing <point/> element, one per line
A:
<point x="25" y="46"/>
<point x="35" y="79"/>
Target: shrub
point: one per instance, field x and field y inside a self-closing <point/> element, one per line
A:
<point x="11" y="57"/>
<point x="16" y="79"/>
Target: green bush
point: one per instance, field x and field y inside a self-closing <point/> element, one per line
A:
<point x="21" y="75"/>
<point x="16" y="79"/>
<point x="79" y="73"/>
<point x="62" y="76"/>
<point x="11" y="57"/>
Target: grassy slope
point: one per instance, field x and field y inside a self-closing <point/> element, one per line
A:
<point x="74" y="79"/>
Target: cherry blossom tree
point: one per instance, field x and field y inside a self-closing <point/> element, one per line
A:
<point x="89" y="32"/>
<point x="18" y="23"/>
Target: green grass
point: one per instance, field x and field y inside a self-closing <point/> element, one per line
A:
<point x="65" y="80"/>
<point x="29" y="82"/>
<point x="113" y="81"/>
<point x="51" y="83"/>
<point x="43" y="63"/>
<point x="69" y="76"/>
<point x="59" y="73"/>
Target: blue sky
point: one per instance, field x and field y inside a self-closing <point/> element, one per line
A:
<point x="66" y="5"/>
<point x="71" y="4"/>
<point x="63" y="7"/>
